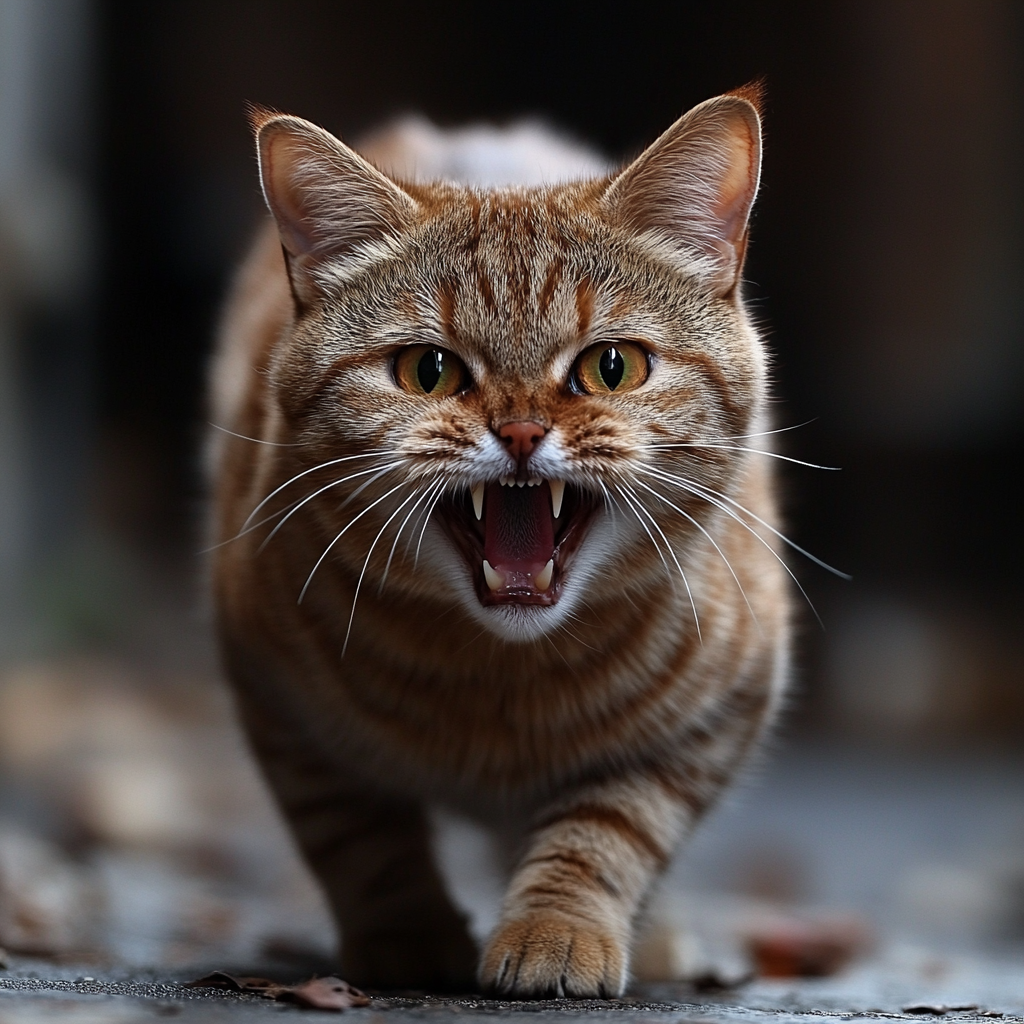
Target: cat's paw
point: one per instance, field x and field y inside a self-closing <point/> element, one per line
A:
<point x="550" y="953"/>
<point x="407" y="959"/>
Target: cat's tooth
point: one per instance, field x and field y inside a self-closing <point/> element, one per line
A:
<point x="495" y="580"/>
<point x="534" y="481"/>
<point x="543" y="579"/>
<point x="478" y="500"/>
<point x="557" y="494"/>
<point x="520" y="483"/>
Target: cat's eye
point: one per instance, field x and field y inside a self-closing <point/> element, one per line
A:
<point x="611" y="367"/>
<point x="428" y="370"/>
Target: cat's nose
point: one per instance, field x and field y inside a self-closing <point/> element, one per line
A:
<point x="521" y="438"/>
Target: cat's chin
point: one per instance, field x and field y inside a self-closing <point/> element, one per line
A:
<point x="521" y="623"/>
<point x="518" y="540"/>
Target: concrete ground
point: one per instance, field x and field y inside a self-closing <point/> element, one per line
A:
<point x="971" y="991"/>
<point x="138" y="851"/>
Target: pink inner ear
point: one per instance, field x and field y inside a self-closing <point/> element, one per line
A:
<point x="736" y="190"/>
<point x="695" y="185"/>
<point x="281" y="159"/>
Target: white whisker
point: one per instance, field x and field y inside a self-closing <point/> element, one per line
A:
<point x="768" y="526"/>
<point x="728" y="565"/>
<point x="695" y="489"/>
<point x="334" y="483"/>
<point x="362" y="573"/>
<point x="622" y="490"/>
<point x="249" y="529"/>
<point x="428" y="491"/>
<point x="426" y="520"/>
<point x="306" y="472"/>
<point x="741" y="448"/>
<point x="657" y="547"/>
<point x="344" y="530"/>
<point x="256" y="440"/>
<point x="760" y="433"/>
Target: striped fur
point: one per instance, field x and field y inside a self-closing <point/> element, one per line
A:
<point x="604" y="725"/>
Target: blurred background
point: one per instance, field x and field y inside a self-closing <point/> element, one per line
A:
<point x="886" y="267"/>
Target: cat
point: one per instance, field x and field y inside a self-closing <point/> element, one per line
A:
<point x="494" y="530"/>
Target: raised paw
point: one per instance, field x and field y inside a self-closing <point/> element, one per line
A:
<point x="550" y="953"/>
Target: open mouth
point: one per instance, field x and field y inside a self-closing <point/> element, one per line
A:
<point x="518" y="537"/>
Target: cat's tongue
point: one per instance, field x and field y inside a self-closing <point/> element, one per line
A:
<point x="519" y="537"/>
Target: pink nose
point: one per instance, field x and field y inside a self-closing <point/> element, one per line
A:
<point x="521" y="438"/>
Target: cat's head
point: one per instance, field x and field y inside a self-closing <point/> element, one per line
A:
<point x="533" y="394"/>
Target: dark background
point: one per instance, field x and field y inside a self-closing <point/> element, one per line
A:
<point x="885" y="269"/>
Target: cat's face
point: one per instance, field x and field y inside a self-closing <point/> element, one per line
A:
<point x="514" y="377"/>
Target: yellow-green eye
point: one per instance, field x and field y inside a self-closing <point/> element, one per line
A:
<point x="619" y="366"/>
<point x="427" y="370"/>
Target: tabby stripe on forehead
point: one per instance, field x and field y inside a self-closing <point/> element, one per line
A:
<point x="584" y="306"/>
<point x="547" y="292"/>
<point x="483" y="286"/>
<point x="446" y="305"/>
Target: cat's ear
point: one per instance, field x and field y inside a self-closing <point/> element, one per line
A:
<point x="694" y="186"/>
<point x="328" y="202"/>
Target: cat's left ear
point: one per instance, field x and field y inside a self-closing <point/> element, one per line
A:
<point x="329" y="203"/>
<point x="694" y="186"/>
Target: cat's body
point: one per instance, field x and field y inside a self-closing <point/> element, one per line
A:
<point x="530" y="654"/>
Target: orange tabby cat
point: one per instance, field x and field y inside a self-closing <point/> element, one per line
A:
<point x="494" y="526"/>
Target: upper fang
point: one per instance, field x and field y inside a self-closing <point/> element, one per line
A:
<point x="557" y="494"/>
<point x="478" y="500"/>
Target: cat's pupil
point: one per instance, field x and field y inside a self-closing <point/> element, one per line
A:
<point x="429" y="370"/>
<point x="611" y="367"/>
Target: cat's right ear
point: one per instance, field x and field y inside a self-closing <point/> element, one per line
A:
<point x="693" y="188"/>
<point x="329" y="203"/>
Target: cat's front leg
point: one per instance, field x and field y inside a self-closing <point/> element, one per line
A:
<point x="372" y="854"/>
<point x="567" y="920"/>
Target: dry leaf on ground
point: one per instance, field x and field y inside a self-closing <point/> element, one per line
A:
<point x="237" y="983"/>
<point x="326" y="994"/>
<point x="315" y="994"/>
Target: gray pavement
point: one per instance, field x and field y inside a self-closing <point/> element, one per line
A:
<point x="957" y="989"/>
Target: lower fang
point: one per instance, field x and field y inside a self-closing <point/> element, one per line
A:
<point x="495" y="580"/>
<point x="543" y="579"/>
